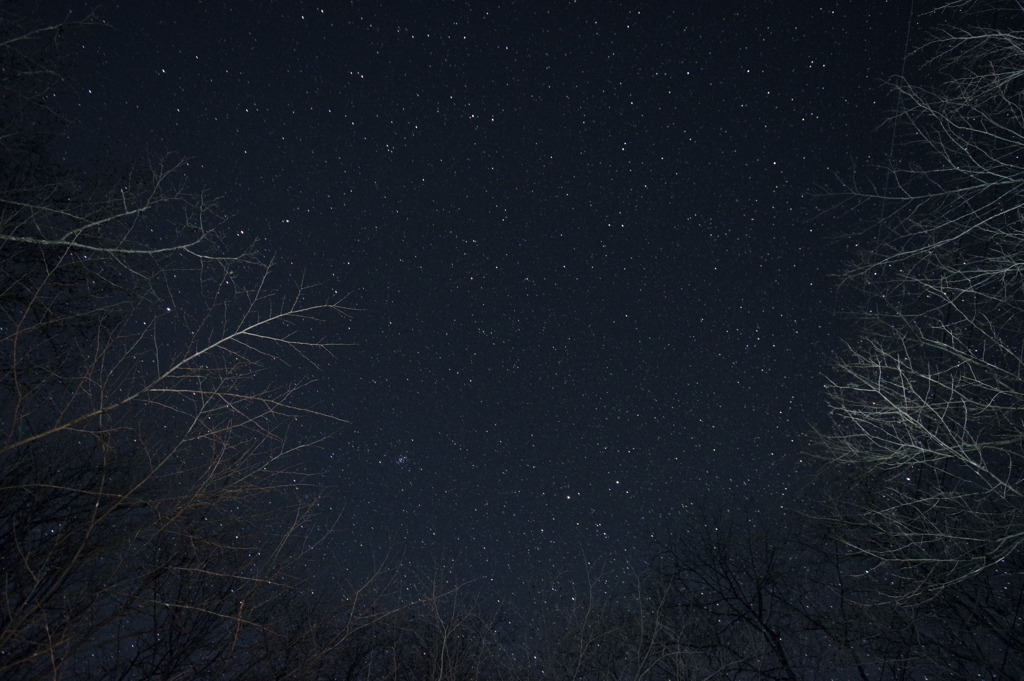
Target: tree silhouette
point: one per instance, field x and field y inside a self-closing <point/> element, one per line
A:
<point x="928" y="441"/>
<point x="149" y="523"/>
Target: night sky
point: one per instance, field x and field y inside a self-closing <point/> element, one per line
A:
<point x="582" y="236"/>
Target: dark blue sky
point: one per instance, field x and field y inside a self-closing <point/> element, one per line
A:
<point x="580" y="233"/>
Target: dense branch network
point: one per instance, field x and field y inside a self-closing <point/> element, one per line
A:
<point x="929" y="402"/>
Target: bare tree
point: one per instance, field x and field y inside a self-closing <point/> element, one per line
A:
<point x="752" y="595"/>
<point x="149" y="524"/>
<point x="928" y="436"/>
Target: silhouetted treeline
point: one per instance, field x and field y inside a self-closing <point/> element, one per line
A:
<point x="155" y="522"/>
